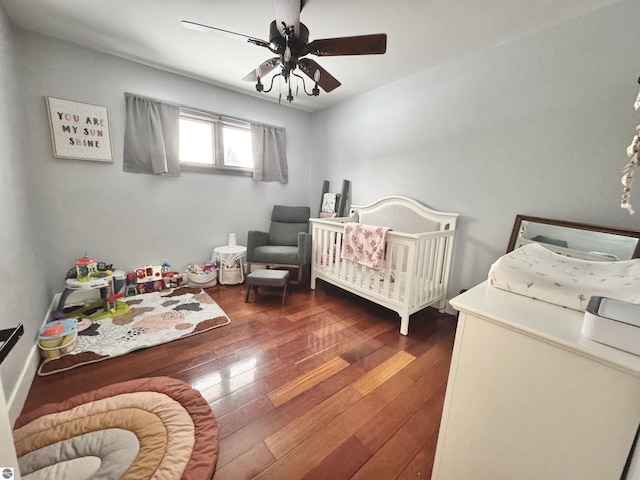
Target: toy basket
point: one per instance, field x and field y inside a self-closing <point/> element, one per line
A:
<point x="54" y="346"/>
<point x="208" y="279"/>
<point x="231" y="275"/>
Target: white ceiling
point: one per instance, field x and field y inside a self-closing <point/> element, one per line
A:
<point x="421" y="34"/>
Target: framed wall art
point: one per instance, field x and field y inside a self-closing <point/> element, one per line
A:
<point x="79" y="130"/>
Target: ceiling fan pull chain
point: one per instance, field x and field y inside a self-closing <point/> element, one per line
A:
<point x="290" y="95"/>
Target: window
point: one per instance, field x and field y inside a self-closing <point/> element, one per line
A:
<point x="215" y="143"/>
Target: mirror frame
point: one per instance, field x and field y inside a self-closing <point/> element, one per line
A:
<point x="580" y="226"/>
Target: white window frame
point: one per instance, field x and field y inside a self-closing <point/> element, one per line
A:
<point x="218" y="122"/>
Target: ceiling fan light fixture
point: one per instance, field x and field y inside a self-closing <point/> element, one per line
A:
<point x="289" y="41"/>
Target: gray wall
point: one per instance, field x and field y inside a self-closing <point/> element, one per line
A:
<point x="22" y="278"/>
<point x="538" y="126"/>
<point x="132" y="219"/>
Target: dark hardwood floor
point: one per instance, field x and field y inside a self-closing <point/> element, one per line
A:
<point x="322" y="388"/>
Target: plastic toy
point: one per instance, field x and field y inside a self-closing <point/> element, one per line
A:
<point x="88" y="268"/>
<point x="153" y="278"/>
<point x="89" y="274"/>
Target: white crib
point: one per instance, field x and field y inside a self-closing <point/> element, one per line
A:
<point x="418" y="255"/>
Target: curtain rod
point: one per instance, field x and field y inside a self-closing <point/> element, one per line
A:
<point x="200" y="110"/>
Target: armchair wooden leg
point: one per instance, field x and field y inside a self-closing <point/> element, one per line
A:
<point x="246" y="297"/>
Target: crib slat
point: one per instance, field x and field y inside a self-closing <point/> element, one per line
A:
<point x="430" y="253"/>
<point x="388" y="268"/>
<point x="331" y="262"/>
<point x="421" y="280"/>
<point x="338" y="263"/>
<point x="324" y="241"/>
<point x="401" y="278"/>
<point x="437" y="280"/>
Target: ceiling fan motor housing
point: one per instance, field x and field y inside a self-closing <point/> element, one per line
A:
<point x="296" y="42"/>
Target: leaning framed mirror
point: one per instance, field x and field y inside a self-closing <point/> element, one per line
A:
<point x="578" y="240"/>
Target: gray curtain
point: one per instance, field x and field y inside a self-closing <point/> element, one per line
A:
<point x="151" y="138"/>
<point x="269" y="154"/>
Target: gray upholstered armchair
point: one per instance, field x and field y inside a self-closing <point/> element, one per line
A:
<point x="286" y="244"/>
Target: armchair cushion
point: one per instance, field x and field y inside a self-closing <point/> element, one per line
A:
<point x="286" y="233"/>
<point x="286" y="222"/>
<point x="286" y="214"/>
<point x="276" y="254"/>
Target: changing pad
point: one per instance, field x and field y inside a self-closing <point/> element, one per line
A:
<point x="536" y="272"/>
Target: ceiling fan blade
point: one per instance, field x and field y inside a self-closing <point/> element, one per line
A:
<point x="359" y="45"/>
<point x="288" y="12"/>
<point x="327" y="81"/>
<point x="225" y="33"/>
<point x="265" y="67"/>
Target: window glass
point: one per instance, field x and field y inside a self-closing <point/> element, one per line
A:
<point x="209" y="142"/>
<point x="196" y="141"/>
<point x="237" y="147"/>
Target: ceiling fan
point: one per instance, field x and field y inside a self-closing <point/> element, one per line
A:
<point x="289" y="40"/>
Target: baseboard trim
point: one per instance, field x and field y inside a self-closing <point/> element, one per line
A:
<point x="18" y="397"/>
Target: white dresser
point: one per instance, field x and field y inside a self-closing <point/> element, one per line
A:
<point x="529" y="397"/>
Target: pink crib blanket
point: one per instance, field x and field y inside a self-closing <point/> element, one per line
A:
<point x="364" y="244"/>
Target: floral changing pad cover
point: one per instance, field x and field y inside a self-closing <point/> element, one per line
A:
<point x="536" y="272"/>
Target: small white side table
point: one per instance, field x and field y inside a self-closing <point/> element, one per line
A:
<point x="230" y="258"/>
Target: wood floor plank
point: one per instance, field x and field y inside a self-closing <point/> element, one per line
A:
<point x="240" y="417"/>
<point x="390" y="460"/>
<point x="335" y="327"/>
<point x="427" y="338"/>
<point x="251" y="340"/>
<point x="375" y="433"/>
<point x="313" y="351"/>
<point x="255" y="432"/>
<point x="308" y="313"/>
<point x="383" y="372"/>
<point x="249" y="387"/>
<point x="247" y="465"/>
<point x="421" y="465"/>
<point x="317" y="447"/>
<point x="343" y="341"/>
<point x="337" y="382"/>
<point x="342" y="463"/>
<point x="304" y="382"/>
<point x="304" y="426"/>
<point x="424" y="363"/>
<point x="362" y="349"/>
